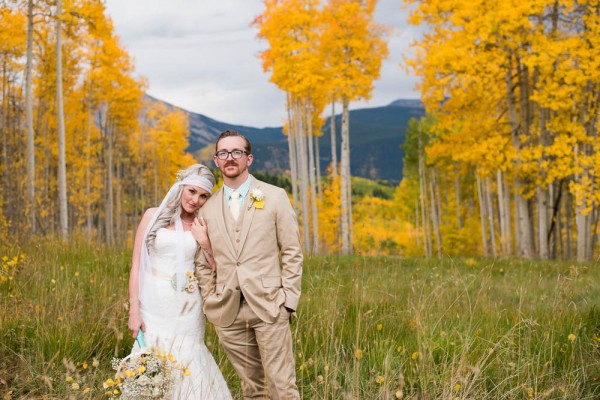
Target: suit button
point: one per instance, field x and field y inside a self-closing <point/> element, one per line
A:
<point x="238" y="240"/>
<point x="238" y="264"/>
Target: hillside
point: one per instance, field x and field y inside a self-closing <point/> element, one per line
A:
<point x="376" y="135"/>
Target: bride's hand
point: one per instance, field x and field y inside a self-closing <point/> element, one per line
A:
<point x="135" y="323"/>
<point x="200" y="232"/>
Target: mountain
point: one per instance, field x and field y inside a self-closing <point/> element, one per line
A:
<point x="376" y="135"/>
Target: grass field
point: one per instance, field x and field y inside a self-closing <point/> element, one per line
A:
<point x="367" y="328"/>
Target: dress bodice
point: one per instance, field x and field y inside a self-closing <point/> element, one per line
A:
<point x="163" y="253"/>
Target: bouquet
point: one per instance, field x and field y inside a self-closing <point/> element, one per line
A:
<point x="149" y="374"/>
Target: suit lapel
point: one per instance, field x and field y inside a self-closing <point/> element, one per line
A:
<point x="221" y="221"/>
<point x="248" y="213"/>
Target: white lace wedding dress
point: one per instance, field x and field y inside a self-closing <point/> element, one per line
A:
<point x="175" y="322"/>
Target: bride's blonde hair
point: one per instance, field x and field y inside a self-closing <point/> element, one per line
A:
<point x="172" y="209"/>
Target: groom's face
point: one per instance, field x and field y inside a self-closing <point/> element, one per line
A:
<point x="230" y="167"/>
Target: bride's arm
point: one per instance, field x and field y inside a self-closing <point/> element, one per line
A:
<point x="135" y="316"/>
<point x="200" y="233"/>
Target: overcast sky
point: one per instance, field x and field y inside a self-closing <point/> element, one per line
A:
<point x="202" y="56"/>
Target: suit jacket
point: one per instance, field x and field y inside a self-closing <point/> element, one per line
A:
<point x="260" y="256"/>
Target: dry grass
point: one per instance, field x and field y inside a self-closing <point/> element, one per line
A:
<point x="367" y="328"/>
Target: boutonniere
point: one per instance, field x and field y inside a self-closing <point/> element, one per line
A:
<point x="258" y="199"/>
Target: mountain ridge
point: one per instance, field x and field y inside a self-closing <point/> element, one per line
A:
<point x="376" y="136"/>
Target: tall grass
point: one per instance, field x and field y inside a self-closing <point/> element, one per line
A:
<point x="367" y="328"/>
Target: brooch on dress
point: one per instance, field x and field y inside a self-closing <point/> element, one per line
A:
<point x="192" y="284"/>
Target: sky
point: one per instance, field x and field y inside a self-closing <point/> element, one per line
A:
<point x="202" y="56"/>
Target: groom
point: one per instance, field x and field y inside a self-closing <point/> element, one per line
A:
<point x="256" y="286"/>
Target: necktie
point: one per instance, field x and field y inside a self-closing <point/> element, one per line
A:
<point x="234" y="205"/>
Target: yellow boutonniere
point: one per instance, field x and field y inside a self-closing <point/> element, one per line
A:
<point x="258" y="199"/>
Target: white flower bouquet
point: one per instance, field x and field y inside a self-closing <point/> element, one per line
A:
<point x="149" y="374"/>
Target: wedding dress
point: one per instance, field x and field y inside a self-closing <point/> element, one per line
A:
<point x="175" y="322"/>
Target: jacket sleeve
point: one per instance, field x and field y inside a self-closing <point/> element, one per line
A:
<point x="207" y="277"/>
<point x="288" y="240"/>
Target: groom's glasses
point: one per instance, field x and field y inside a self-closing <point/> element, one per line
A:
<point x="235" y="154"/>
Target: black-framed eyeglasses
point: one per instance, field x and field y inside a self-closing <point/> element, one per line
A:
<point x="235" y="154"/>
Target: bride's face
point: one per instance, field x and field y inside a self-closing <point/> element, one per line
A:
<point x="193" y="198"/>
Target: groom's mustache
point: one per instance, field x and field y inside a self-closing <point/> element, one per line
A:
<point x="228" y="163"/>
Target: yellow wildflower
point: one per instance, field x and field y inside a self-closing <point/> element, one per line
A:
<point x="358" y="354"/>
<point x="415" y="355"/>
<point x="379" y="327"/>
<point x="571" y="337"/>
<point x="457" y="387"/>
<point x="380" y="379"/>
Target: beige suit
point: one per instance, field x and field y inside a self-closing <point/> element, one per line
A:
<point x="260" y="258"/>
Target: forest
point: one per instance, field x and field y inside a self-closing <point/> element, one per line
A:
<point x="504" y="164"/>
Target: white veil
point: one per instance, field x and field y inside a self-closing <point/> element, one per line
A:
<point x="146" y="291"/>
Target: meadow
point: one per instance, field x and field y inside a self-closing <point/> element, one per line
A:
<point x="367" y="327"/>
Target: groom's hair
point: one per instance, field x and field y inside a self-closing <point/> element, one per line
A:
<point x="229" y="133"/>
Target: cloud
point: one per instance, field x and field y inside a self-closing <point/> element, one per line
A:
<point x="203" y="56"/>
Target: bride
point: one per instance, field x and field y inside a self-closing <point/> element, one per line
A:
<point x="165" y="301"/>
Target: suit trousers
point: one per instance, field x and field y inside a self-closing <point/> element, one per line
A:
<point x="262" y="355"/>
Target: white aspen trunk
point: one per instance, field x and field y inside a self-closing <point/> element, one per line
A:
<point x="318" y="161"/>
<point x="423" y="196"/>
<point x="118" y="204"/>
<point x="582" y="216"/>
<point x="417" y="236"/>
<point x="542" y="198"/>
<point x="583" y="226"/>
<point x="542" y="206"/>
<point x="458" y="199"/>
<point x="62" y="162"/>
<point x="88" y="149"/>
<point x="292" y="152"/>
<point x="553" y="216"/>
<point x="568" y="226"/>
<point x="508" y="221"/>
<point x="109" y="209"/>
<point x="558" y="235"/>
<point x="482" y="217"/>
<point x="522" y="219"/>
<point x="30" y="150"/>
<point x="312" y="179"/>
<point x="334" y="162"/>
<point x="502" y="211"/>
<point x="523" y="224"/>
<point x="490" y="216"/>
<point x="345" y="180"/>
<point x="303" y="171"/>
<point x="594" y="220"/>
<point x="435" y="212"/>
